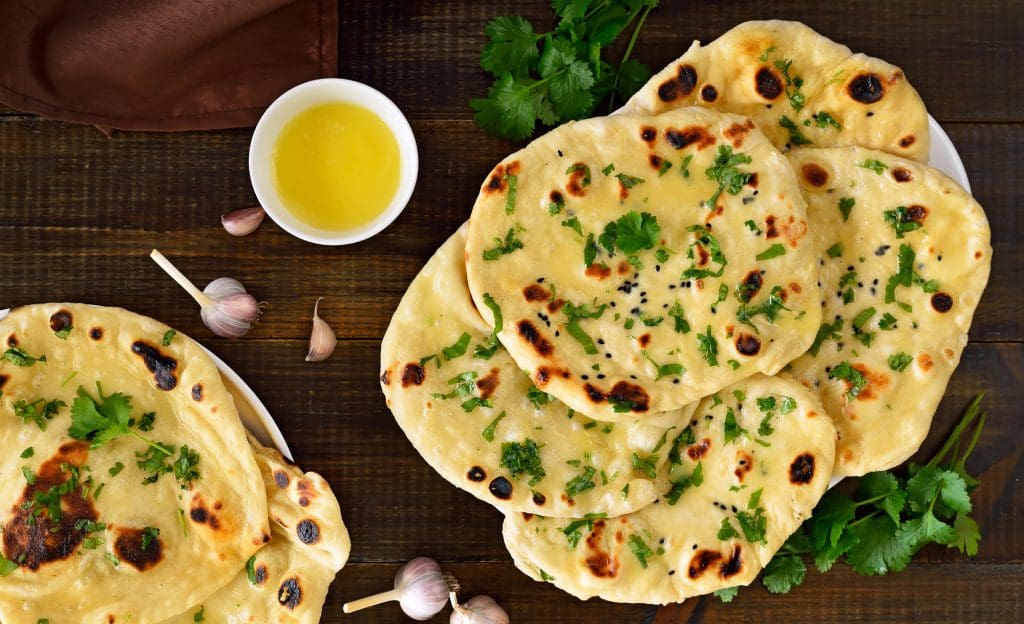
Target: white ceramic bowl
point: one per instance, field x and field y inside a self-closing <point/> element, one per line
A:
<point x="300" y="98"/>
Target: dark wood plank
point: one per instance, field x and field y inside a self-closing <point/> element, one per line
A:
<point x="90" y="208"/>
<point x="956" y="54"/>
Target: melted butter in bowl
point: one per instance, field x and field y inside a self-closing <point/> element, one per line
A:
<point x="333" y="161"/>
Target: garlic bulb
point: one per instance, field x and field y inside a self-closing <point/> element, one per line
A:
<point x="478" y="610"/>
<point x="421" y="589"/>
<point x="322" y="339"/>
<point x="243" y="221"/>
<point x="225" y="307"/>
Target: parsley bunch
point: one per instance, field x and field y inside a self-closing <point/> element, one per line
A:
<point x="889" y="518"/>
<point x="558" y="76"/>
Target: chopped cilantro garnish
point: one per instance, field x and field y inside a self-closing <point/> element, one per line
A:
<point x="39" y="411"/>
<point x="827" y="331"/>
<point x="538" y="397"/>
<point x="581" y="482"/>
<point x="862" y="318"/>
<point x="665" y="166"/>
<point x="250" y="571"/>
<point x="694" y="479"/>
<point x="502" y="247"/>
<point x="685" y="167"/>
<point x="586" y="173"/>
<point x="522" y="457"/>
<point x="774" y="251"/>
<point x="148" y="535"/>
<point x="793" y="85"/>
<point x="764" y="55"/>
<point x="771" y="307"/>
<point x="835" y="250"/>
<point x="457" y="349"/>
<point x="875" y="165"/>
<point x="28" y="452"/>
<point x="200" y="615"/>
<point x="510" y="199"/>
<point x="631" y="233"/>
<point x="589" y="250"/>
<point x="608" y="169"/>
<point x="752" y="226"/>
<point x="640" y="549"/>
<point x="904" y="273"/>
<point x="556" y="206"/>
<point x="848" y="373"/>
<point x="726" y="530"/>
<point x="723" y="170"/>
<point x="678" y="316"/>
<point x="708" y="347"/>
<point x="646" y="465"/>
<point x="629" y="181"/>
<point x="707" y="241"/>
<point x="888" y="322"/>
<point x="573" y="223"/>
<point x="115" y="469"/>
<point x="18" y="357"/>
<point x="796" y="136"/>
<point x="899" y="219"/>
<point x="488" y="432"/>
<point x="846" y="204"/>
<point x="487" y="349"/>
<point x="168" y="337"/>
<point x="99" y="422"/>
<point x="900" y="361"/>
<point x="732" y="428"/>
<point x="823" y="120"/>
<point x="573" y="530"/>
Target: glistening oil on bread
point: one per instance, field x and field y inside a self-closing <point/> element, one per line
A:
<point x="336" y="166"/>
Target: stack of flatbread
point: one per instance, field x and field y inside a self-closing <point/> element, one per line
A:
<point x="661" y="334"/>
<point x="131" y="492"/>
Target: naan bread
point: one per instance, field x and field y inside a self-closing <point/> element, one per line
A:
<point x="66" y="575"/>
<point x="308" y="545"/>
<point x="685" y="304"/>
<point x="763" y="450"/>
<point x="745" y="71"/>
<point x="902" y="351"/>
<point x="587" y="466"/>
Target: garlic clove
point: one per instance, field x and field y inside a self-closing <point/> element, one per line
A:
<point x="478" y="610"/>
<point x="421" y="589"/>
<point x="322" y="339"/>
<point x="243" y="221"/>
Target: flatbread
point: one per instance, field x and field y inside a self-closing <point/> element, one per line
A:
<point x="745" y="71"/>
<point x="435" y="313"/>
<point x="886" y="422"/>
<point x="669" y="552"/>
<point x="308" y="545"/>
<point x="669" y="332"/>
<point x="62" y="578"/>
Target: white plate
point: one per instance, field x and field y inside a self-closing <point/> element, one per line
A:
<point x="251" y="410"/>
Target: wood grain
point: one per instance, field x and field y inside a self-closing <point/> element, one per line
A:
<point x="79" y="213"/>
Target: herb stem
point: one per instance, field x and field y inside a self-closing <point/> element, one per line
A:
<point x="160" y="447"/>
<point x="975" y="437"/>
<point x="867" y="517"/>
<point x="970" y="414"/>
<point x="873" y="500"/>
<point x="628" y="51"/>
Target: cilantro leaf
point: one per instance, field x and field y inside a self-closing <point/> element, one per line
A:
<point x="502" y="247"/>
<point x="19" y="357"/>
<point x="631" y="232"/>
<point x="728" y="594"/>
<point x="99" y="422"/>
<point x="783" y="573"/>
<point x="878" y="550"/>
<point x="967" y="534"/>
<point x="708" y="347"/>
<point x="886" y="491"/>
<point x="522" y="457"/>
<point x="640" y="549"/>
<point x="509" y="110"/>
<point x="831" y="516"/>
<point x="723" y="170"/>
<point x="512" y="46"/>
<point x="845" y="206"/>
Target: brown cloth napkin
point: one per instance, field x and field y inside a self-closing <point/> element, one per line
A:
<point x="161" y="64"/>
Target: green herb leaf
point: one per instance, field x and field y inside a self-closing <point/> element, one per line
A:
<point x="502" y="247"/>
<point x="581" y="482"/>
<point x="823" y="120"/>
<point x="522" y="457"/>
<point x="511" y="46"/>
<point x="783" y="573"/>
<point x="168" y="337"/>
<point x="732" y="428"/>
<point x="458" y="349"/>
<point x="18" y="357"/>
<point x="835" y="250"/>
<point x="629" y="182"/>
<point x="631" y="233"/>
<point x="900" y="361"/>
<point x="723" y="171"/>
<point x="708" y="347"/>
<point x="487" y="350"/>
<point x="488" y="432"/>
<point x="640" y="549"/>
<point x="900" y="220"/>
<point x="846" y="206"/>
<point x="250" y="571"/>
<point x="796" y="136"/>
<point x="774" y="251"/>
<point x="874" y="165"/>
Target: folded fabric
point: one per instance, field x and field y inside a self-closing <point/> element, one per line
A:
<point x="161" y="64"/>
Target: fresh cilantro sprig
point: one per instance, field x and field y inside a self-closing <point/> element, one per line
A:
<point x="889" y="518"/>
<point x="103" y="420"/>
<point x="631" y="233"/>
<point x="723" y="170"/>
<point x="557" y="76"/>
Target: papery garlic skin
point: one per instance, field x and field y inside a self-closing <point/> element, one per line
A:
<point x="234" y="310"/>
<point x="478" y="610"/>
<point x="321" y="339"/>
<point x="243" y="221"/>
<point x="424" y="588"/>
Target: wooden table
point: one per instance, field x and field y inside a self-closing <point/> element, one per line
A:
<point x="79" y="213"/>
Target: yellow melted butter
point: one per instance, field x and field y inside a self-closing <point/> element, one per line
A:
<point x="336" y="166"/>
